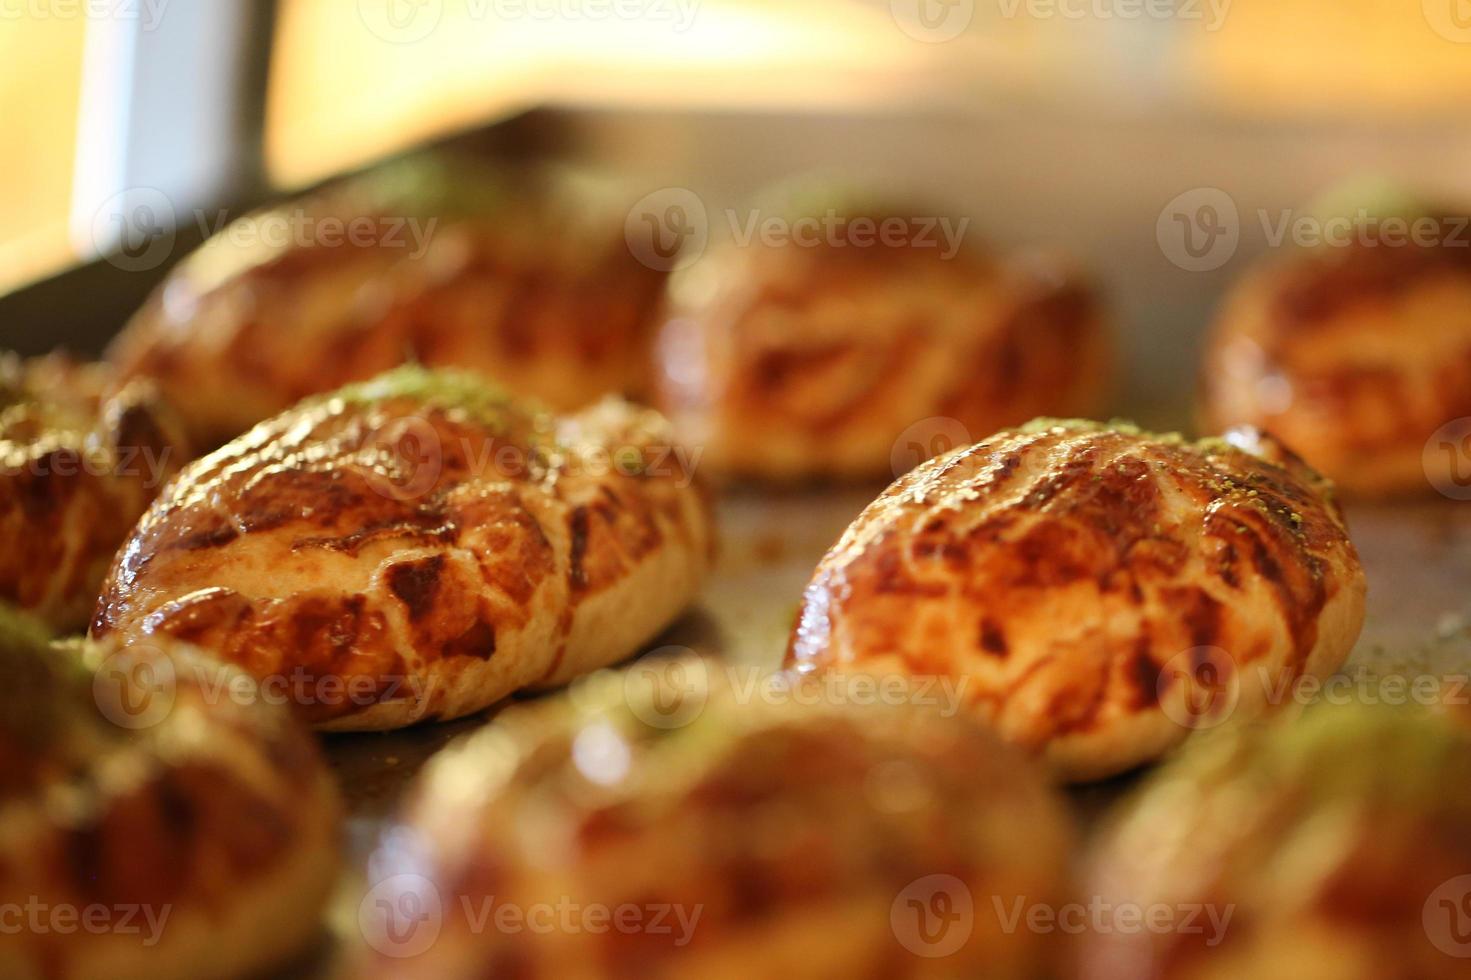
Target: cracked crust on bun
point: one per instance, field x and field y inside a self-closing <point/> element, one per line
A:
<point x="1098" y="592"/>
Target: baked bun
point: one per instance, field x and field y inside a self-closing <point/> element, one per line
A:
<point x="774" y="837"/>
<point x="523" y="277"/>
<point x="80" y="460"/>
<point x="417" y="547"/>
<point x="160" y="822"/>
<point x="1100" y="592"/>
<point x="788" y="362"/>
<point x="1355" y="355"/>
<point x="1338" y="847"/>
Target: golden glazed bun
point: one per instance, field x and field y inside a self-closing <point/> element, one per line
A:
<point x="80" y="460"/>
<point x="789" y="362"/>
<point x="523" y="277"/>
<point x="780" y="838"/>
<point x="159" y="822"/>
<point x="1334" y="848"/>
<point x="1355" y="355"/>
<point x="418" y="547"/>
<point x="1099" y="592"/>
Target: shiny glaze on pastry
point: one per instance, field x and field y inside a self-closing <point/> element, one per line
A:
<point x="1354" y="354"/>
<point x="1334" y="847"/>
<point x="418" y="547"/>
<point x="790" y="363"/>
<point x="523" y="277"/>
<point x="784" y="837"/>
<point x="149" y="789"/>
<point x="80" y="460"/>
<point x="1094" y="587"/>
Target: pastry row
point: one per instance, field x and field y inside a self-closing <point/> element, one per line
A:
<point x="851" y="346"/>
<point x="669" y="821"/>
<point x="1067" y="600"/>
<point x="421" y="545"/>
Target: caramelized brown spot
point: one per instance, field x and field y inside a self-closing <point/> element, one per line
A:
<point x="993" y="641"/>
<point x="417" y="583"/>
<point x="1145" y="674"/>
<point x="577" y="530"/>
<point x="478" y="641"/>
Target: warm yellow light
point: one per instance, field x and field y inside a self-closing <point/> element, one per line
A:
<point x="1334" y="57"/>
<point x="40" y="85"/>
<point x="349" y="86"/>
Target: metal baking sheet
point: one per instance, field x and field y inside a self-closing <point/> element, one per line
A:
<point x="1029" y="178"/>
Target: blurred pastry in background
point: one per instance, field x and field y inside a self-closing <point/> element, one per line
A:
<point x="81" y="458"/>
<point x="1357" y="350"/>
<point x="722" y="836"/>
<point x="523" y="276"/>
<point x="1101" y="592"/>
<point x="417" y="547"/>
<point x="161" y="822"/>
<point x="811" y="353"/>
<point x="1336" y="846"/>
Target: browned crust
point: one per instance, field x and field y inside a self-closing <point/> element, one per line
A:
<point x="774" y="819"/>
<point x="1213" y="830"/>
<point x="792" y="363"/>
<point x="321" y="550"/>
<point x="561" y="317"/>
<point x="1058" y="569"/>
<point x="187" y="814"/>
<point x="1354" y="354"/>
<point x="80" y="461"/>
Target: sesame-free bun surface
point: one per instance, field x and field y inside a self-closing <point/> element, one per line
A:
<point x="782" y="838"/>
<point x="520" y="275"/>
<point x="791" y="362"/>
<point x="1355" y="355"/>
<point x="81" y="457"/>
<point x="419" y="546"/>
<point x="159" y="821"/>
<point x="1100" y="592"/>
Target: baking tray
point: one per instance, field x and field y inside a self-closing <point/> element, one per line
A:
<point x="1029" y="178"/>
